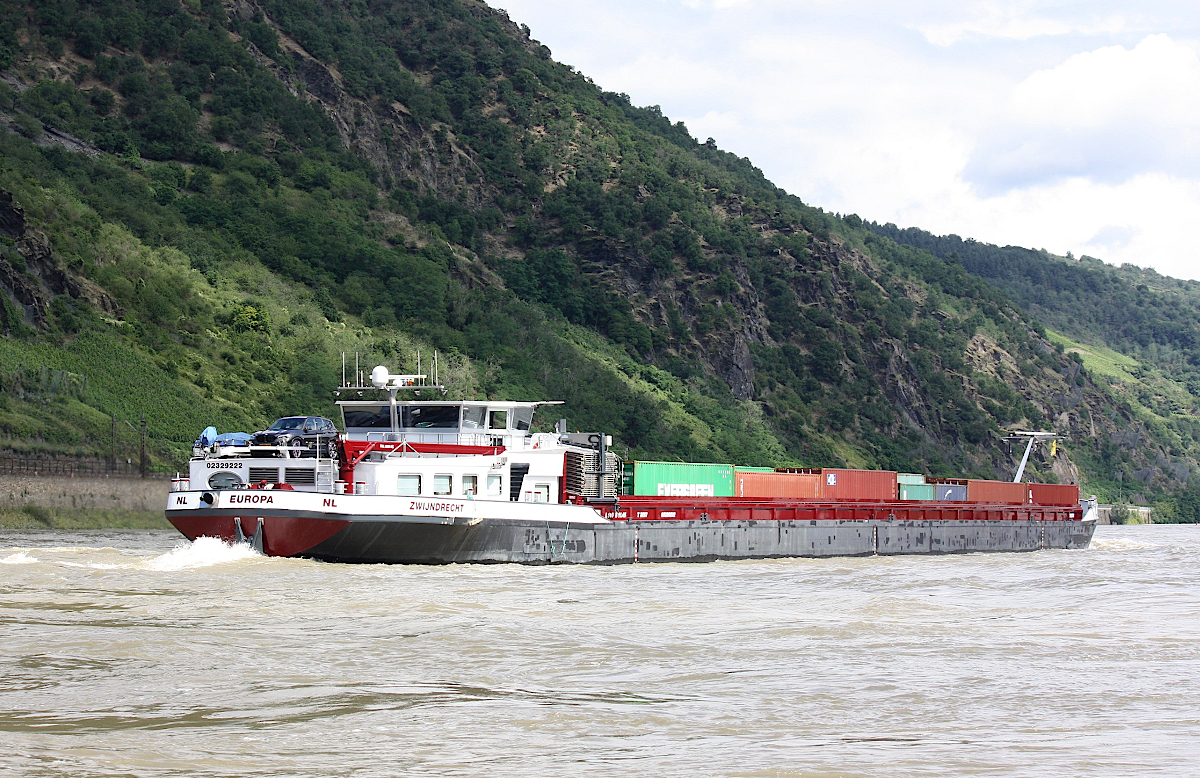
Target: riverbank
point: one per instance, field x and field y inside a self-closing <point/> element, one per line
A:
<point x="40" y="517"/>
<point x="77" y="502"/>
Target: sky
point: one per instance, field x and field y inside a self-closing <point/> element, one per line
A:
<point x="1058" y="124"/>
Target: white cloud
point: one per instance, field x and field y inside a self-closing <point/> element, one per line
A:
<point x="1017" y="21"/>
<point x="1136" y="221"/>
<point x="716" y="4"/>
<point x="1106" y="115"/>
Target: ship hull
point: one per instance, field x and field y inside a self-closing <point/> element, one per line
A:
<point x="398" y="542"/>
<point x="296" y="525"/>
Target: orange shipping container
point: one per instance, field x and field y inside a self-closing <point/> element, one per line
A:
<point x="848" y="485"/>
<point x="805" y="486"/>
<point x="1066" y="495"/>
<point x="996" y="492"/>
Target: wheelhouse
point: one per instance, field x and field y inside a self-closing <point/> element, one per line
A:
<point x="455" y="423"/>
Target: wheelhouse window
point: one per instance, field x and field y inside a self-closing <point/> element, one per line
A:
<point x="431" y="416"/>
<point x="498" y="420"/>
<point x="522" y="418"/>
<point x="473" y="417"/>
<point x="408" y="485"/>
<point x="370" y="416"/>
<point x="470" y="485"/>
<point x="442" y="485"/>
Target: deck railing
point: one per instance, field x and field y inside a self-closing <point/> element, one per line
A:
<point x="446" y="438"/>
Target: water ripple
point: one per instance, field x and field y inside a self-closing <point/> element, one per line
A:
<point x="136" y="654"/>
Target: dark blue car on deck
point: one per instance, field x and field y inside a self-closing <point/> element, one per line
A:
<point x="308" y="433"/>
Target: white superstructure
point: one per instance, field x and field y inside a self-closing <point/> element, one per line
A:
<point x="428" y="448"/>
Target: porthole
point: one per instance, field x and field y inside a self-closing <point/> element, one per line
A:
<point x="224" y="480"/>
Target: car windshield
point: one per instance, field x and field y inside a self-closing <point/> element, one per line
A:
<point x="290" y="423"/>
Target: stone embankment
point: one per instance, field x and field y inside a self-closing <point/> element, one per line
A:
<point x="84" y="492"/>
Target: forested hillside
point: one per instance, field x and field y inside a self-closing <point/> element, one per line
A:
<point x="1138" y="312"/>
<point x="1137" y="330"/>
<point x="208" y="201"/>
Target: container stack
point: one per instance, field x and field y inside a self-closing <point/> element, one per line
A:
<point x="949" y="489"/>
<point x="1006" y="492"/>
<point x="912" y="486"/>
<point x="756" y="482"/>
<point x="678" y="479"/>
<point x="831" y="484"/>
<point x="839" y="484"/>
<point x="1064" y="495"/>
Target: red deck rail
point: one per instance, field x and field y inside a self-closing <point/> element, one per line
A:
<point x="736" y="509"/>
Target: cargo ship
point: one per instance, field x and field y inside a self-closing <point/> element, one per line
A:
<point x="424" y="480"/>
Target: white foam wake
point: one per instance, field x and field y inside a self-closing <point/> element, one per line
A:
<point x="202" y="552"/>
<point x="19" y="558"/>
<point x="1120" y="544"/>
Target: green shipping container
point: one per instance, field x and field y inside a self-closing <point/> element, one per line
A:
<point x="681" y="479"/>
<point x="910" y="478"/>
<point x="918" y="492"/>
<point x="748" y="469"/>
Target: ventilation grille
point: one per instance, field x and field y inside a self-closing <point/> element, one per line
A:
<point x="268" y="474"/>
<point x="300" y="475"/>
<point x="582" y="474"/>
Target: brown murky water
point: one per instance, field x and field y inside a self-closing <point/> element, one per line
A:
<point x="138" y="654"/>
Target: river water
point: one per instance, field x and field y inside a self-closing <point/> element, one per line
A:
<point x="134" y="653"/>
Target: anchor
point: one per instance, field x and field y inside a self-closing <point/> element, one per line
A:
<point x="255" y="541"/>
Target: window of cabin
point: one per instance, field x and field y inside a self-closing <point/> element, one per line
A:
<point x="408" y="485"/>
<point x="470" y="485"/>
<point x="522" y="418"/>
<point x="498" y="420"/>
<point x="473" y="417"/>
<point x="431" y="416"/>
<point x="371" y="416"/>
<point x="494" y="486"/>
<point x="442" y="485"/>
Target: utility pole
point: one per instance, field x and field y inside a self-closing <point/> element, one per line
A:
<point x="144" y="462"/>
